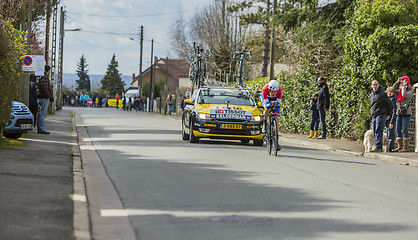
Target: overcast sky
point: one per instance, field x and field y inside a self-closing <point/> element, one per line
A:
<point x="108" y="25"/>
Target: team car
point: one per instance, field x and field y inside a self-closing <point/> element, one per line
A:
<point x="21" y="120"/>
<point x="222" y="112"/>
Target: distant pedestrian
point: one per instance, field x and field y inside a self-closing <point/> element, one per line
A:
<point x="322" y="105"/>
<point x="136" y="103"/>
<point x="45" y="95"/>
<point x="81" y="100"/>
<point x="381" y="109"/>
<point x="314" y="117"/>
<point x="93" y="100"/>
<point x="170" y="102"/>
<point x="130" y="104"/>
<point x="403" y="113"/>
<point x="100" y="100"/>
<point x="117" y="97"/>
<point x="33" y="99"/>
<point x="183" y="104"/>
<point x="124" y="103"/>
<point x="86" y="99"/>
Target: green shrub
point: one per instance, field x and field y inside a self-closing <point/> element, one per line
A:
<point x="12" y="47"/>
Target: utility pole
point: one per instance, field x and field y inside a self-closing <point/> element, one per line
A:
<point x="29" y="37"/>
<point x="60" y="59"/>
<point x="150" y="79"/>
<point x="166" y="85"/>
<point x="272" y="41"/>
<point x="47" y="27"/>
<point x="51" y="108"/>
<point x="23" y="89"/>
<point x="140" y="61"/>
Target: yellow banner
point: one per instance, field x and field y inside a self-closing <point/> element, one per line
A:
<point x="112" y="103"/>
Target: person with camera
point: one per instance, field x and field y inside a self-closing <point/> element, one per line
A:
<point x="403" y="113"/>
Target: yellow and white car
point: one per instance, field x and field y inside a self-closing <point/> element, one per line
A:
<point x="222" y="112"/>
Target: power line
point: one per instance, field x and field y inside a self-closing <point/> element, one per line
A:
<point x="95" y="46"/>
<point x="133" y="16"/>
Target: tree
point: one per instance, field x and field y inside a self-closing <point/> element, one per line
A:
<point x="380" y="44"/>
<point x="214" y="28"/>
<point x="257" y="12"/>
<point x="112" y="82"/>
<point x="83" y="82"/>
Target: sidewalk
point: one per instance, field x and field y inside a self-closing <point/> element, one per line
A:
<point x="344" y="146"/>
<point x="350" y="147"/>
<point x="37" y="183"/>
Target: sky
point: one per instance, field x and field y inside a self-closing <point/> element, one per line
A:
<point x="107" y="26"/>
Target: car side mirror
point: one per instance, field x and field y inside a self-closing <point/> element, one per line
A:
<point x="188" y="101"/>
<point x="259" y="105"/>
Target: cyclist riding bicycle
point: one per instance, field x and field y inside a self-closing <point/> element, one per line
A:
<point x="271" y="98"/>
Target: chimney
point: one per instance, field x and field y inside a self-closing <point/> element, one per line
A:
<point x="133" y="78"/>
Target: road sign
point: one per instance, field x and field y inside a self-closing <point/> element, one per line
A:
<point x="27" y="61"/>
<point x="34" y="63"/>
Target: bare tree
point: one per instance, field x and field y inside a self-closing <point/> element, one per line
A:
<point x="213" y="28"/>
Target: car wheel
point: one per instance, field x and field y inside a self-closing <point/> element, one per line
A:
<point x="184" y="135"/>
<point x="245" y="141"/>
<point x="258" y="142"/>
<point x="12" y="135"/>
<point x="192" y="138"/>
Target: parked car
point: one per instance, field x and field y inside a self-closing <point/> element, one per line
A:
<point x="222" y="112"/>
<point x="21" y="120"/>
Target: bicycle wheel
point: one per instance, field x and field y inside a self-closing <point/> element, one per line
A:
<point x="268" y="138"/>
<point x="275" y="138"/>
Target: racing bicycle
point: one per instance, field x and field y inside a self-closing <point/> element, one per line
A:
<point x="272" y="136"/>
<point x="240" y="76"/>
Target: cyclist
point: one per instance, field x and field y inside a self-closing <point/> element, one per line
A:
<point x="271" y="98"/>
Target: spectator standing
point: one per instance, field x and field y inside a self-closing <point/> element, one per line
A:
<point x="33" y="99"/>
<point x="81" y="99"/>
<point x="183" y="104"/>
<point x="44" y="94"/>
<point x="93" y="100"/>
<point x="136" y="103"/>
<point x="117" y="97"/>
<point x="100" y="100"/>
<point x="314" y="117"/>
<point x="86" y="99"/>
<point x="323" y="105"/>
<point x="381" y="109"/>
<point x="391" y="123"/>
<point x="403" y="113"/>
<point x="170" y="103"/>
<point x="130" y="104"/>
<point x="124" y="103"/>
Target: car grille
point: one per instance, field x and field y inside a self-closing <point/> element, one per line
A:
<point x="20" y="110"/>
<point x="23" y="121"/>
<point x="230" y="121"/>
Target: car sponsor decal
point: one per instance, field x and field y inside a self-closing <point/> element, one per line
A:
<point x="230" y="114"/>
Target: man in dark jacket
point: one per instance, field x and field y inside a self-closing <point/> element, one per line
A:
<point x="44" y="94"/>
<point x="33" y="99"/>
<point x="322" y="105"/>
<point x="381" y="109"/>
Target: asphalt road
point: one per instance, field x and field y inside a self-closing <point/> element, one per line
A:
<point x="167" y="188"/>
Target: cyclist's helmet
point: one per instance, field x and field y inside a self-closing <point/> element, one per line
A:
<point x="274" y="85"/>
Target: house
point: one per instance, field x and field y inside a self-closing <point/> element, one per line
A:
<point x="174" y="71"/>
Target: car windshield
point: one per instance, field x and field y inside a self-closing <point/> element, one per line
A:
<point x="225" y="96"/>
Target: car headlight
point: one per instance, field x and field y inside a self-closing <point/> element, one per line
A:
<point x="256" y="118"/>
<point x="12" y="116"/>
<point x="202" y="115"/>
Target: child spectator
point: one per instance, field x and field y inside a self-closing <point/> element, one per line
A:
<point x="314" y="117"/>
<point x="390" y="129"/>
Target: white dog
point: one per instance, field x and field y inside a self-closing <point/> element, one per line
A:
<point x="369" y="141"/>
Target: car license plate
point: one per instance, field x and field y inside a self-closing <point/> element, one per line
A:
<point x="231" y="126"/>
<point x="25" y="126"/>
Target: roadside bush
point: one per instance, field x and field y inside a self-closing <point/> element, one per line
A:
<point x="12" y="48"/>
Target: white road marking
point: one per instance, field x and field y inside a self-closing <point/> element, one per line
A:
<point x="78" y="197"/>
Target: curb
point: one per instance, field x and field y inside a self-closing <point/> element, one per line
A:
<point x="81" y="220"/>
<point x="384" y="157"/>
